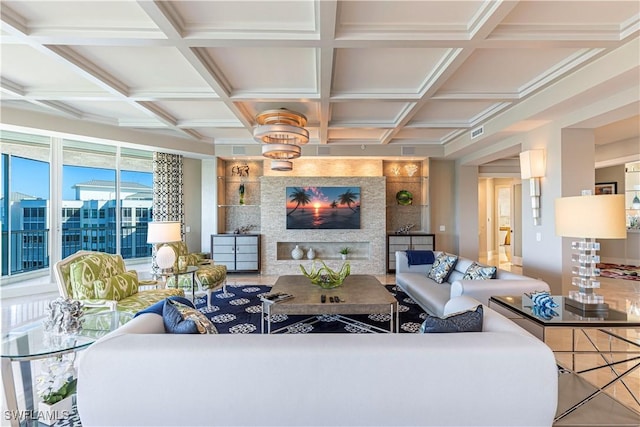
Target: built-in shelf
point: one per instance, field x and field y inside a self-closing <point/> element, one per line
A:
<point x="232" y="215"/>
<point x="417" y="212"/>
<point x="632" y="190"/>
<point x="324" y="250"/>
<point x="239" y="180"/>
<point x="407" y="179"/>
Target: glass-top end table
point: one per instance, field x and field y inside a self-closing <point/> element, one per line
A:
<point x="566" y="315"/>
<point x="31" y="342"/>
<point x="176" y="273"/>
<point x="615" y="325"/>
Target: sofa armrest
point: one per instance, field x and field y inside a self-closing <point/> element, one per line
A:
<point x="482" y="290"/>
<point x="492" y="321"/>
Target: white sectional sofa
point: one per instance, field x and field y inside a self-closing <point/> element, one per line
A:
<point x="433" y="296"/>
<point x="140" y="376"/>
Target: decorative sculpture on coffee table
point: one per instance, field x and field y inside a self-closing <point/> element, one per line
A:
<point x="325" y="277"/>
<point x="64" y="316"/>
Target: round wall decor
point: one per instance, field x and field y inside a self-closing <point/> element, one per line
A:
<point x="404" y="197"/>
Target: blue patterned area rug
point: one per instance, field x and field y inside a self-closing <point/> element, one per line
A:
<point x="239" y="311"/>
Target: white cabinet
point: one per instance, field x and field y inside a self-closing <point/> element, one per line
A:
<point x="239" y="252"/>
<point x="403" y="242"/>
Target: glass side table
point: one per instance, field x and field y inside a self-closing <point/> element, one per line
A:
<point x="31" y="342"/>
<point x="618" y="350"/>
<point x="176" y="275"/>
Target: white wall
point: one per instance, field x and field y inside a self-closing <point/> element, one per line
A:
<point x="442" y="204"/>
<point x="191" y="180"/>
<point x="209" y="202"/>
<point x="468" y="210"/>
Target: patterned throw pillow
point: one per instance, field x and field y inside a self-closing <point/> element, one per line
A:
<point x="480" y="272"/>
<point x="466" y="321"/>
<point x="191" y="259"/>
<point x="82" y="274"/>
<point x="117" y="287"/>
<point x="442" y="267"/>
<point x="182" y="319"/>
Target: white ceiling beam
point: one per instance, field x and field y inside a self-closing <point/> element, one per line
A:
<point x="165" y="17"/>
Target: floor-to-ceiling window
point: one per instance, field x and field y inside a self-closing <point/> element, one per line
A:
<point x="136" y="199"/>
<point x="104" y="203"/>
<point x="25" y="213"/>
<point x="89" y="184"/>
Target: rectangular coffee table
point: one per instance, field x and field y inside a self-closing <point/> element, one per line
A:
<point x="359" y="294"/>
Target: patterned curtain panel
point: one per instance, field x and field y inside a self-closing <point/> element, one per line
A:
<point x="168" y="204"/>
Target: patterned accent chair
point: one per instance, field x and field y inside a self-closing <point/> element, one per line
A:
<point x="101" y="282"/>
<point x="209" y="276"/>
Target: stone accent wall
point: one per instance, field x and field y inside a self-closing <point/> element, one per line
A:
<point x="370" y="239"/>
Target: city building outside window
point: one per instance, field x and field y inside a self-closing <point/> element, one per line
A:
<point x="90" y="198"/>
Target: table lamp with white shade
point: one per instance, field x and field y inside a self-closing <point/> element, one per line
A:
<point x="589" y="217"/>
<point x="164" y="232"/>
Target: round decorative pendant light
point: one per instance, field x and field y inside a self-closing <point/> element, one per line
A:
<point x="281" y="151"/>
<point x="281" y="165"/>
<point x="281" y="126"/>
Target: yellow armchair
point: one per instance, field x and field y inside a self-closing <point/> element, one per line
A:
<point x="209" y="276"/>
<point x="101" y="281"/>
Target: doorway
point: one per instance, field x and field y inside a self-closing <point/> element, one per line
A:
<point x="499" y="222"/>
<point x="504" y="229"/>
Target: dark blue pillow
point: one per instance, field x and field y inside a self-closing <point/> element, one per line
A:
<point x="467" y="321"/>
<point x="183" y="319"/>
<point x="175" y="323"/>
<point x="157" y="307"/>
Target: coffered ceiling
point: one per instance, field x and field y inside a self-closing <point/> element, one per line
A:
<point x="381" y="73"/>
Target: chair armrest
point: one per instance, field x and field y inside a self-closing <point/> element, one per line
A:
<point x="148" y="283"/>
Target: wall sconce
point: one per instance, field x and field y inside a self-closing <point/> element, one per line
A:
<point x="532" y="167"/>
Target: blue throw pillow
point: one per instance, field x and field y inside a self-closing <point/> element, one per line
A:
<point x="159" y="306"/>
<point x="442" y="267"/>
<point x="182" y="319"/>
<point x="480" y="272"/>
<point x="466" y="321"/>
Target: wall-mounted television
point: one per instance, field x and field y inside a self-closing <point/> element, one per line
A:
<point x="323" y="208"/>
